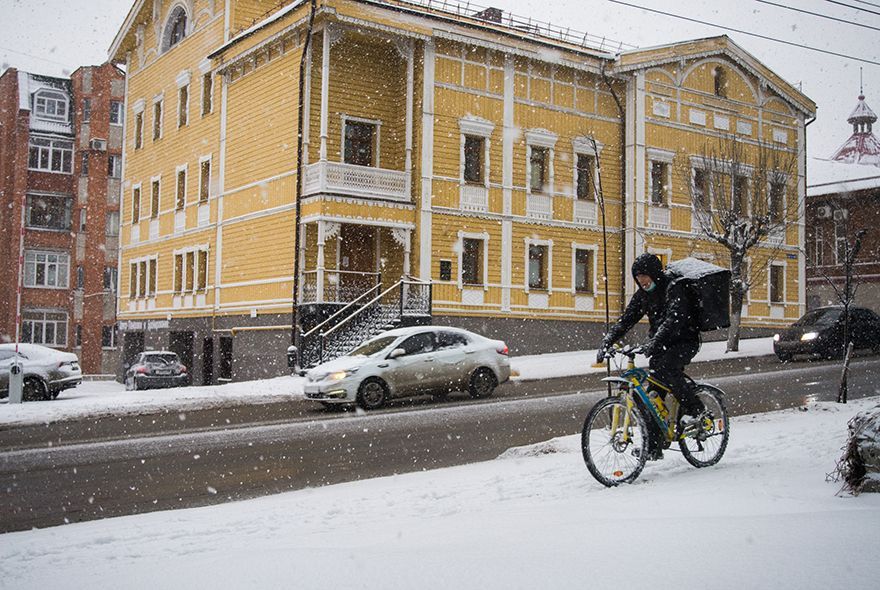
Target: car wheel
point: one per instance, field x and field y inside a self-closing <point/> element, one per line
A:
<point x="482" y="383"/>
<point x="33" y="389"/>
<point x="372" y="394"/>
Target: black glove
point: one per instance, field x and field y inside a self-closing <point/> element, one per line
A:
<point x="600" y="355"/>
<point x="649" y="348"/>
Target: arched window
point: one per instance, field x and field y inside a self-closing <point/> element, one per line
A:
<point x="51" y="105"/>
<point x="720" y="81"/>
<point x="175" y="28"/>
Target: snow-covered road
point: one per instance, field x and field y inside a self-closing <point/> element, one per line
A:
<point x="763" y="518"/>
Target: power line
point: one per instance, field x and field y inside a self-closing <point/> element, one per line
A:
<point x="742" y="32"/>
<point x="868" y="3"/>
<point x="34" y="56"/>
<point x="855" y="7"/>
<point x="834" y="18"/>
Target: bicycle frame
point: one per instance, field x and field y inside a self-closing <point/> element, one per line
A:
<point x="634" y="379"/>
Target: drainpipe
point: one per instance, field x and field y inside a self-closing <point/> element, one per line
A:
<point x="622" y="111"/>
<point x="296" y="332"/>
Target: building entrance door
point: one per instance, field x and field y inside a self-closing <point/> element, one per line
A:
<point x="357" y="260"/>
<point x="182" y="344"/>
<point x="132" y="345"/>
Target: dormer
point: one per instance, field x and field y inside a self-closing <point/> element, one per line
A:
<point x="51" y="105"/>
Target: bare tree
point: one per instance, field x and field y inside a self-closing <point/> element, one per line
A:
<point x="740" y="195"/>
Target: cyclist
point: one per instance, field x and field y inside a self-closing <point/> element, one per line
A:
<point x="674" y="337"/>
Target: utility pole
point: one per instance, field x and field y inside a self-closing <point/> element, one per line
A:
<point x="16" y="371"/>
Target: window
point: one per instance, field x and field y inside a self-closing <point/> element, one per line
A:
<point x="777" y="283"/>
<point x="117" y="112"/>
<point x="446" y="340"/>
<point x="190" y="266"/>
<point x="583" y="271"/>
<point x="840" y="248"/>
<point x="87" y="110"/>
<point x="777" y="202"/>
<point x="50" y="155"/>
<point x="659" y="186"/>
<point x="152" y="277"/>
<point x="111" y="223"/>
<point x="818" y="246"/>
<point x="720" y="80"/>
<point x="80" y="277"/>
<point x="741" y="195"/>
<point x="46" y="269"/>
<point x="136" y="204"/>
<point x="204" y="180"/>
<point x="78" y="335"/>
<point x="585" y="167"/>
<point x="473" y="159"/>
<point x="701" y="189"/>
<point x="471" y="262"/>
<point x="191" y="271"/>
<point x="178" y="273"/>
<point x="139" y="130"/>
<point x="110" y="278"/>
<point x="207" y="93"/>
<point x="132" y="279"/>
<point x="181" y="190"/>
<point x="538" y="169"/>
<point x="114" y="166"/>
<point x="48" y="211"/>
<point x="44" y="327"/>
<point x="157" y="120"/>
<point x="359" y="143"/>
<point x="108" y="336"/>
<point x="143" y="279"/>
<point x="418" y="344"/>
<point x="445" y="270"/>
<point x="202" y="278"/>
<point x="537" y="267"/>
<point x="83" y="218"/>
<point x="154" y="200"/>
<point x="84" y="163"/>
<point x="50" y="105"/>
<point x="175" y="28"/>
<point x="183" y="105"/>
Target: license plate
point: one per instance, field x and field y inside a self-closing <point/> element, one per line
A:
<point x="163" y="372"/>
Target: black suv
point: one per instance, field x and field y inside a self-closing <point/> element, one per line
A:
<point x="820" y="333"/>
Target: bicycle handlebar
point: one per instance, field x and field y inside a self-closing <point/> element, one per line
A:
<point x="629" y="351"/>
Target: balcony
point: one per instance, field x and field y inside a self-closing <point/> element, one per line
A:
<point x="539" y="206"/>
<point x="585" y="212"/>
<point x="658" y="217"/>
<point x="474" y="198"/>
<point x="356" y="181"/>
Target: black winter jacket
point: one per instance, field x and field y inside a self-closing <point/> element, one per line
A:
<point x="671" y="316"/>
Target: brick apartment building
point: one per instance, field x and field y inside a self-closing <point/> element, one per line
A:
<point x="60" y="176"/>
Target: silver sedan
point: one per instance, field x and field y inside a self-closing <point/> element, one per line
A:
<point x="411" y="361"/>
<point x="47" y="372"/>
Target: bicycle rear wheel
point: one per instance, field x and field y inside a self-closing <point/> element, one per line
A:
<point x="706" y="445"/>
<point x="615" y="449"/>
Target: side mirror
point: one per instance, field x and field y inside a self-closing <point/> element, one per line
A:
<point x="396" y="353"/>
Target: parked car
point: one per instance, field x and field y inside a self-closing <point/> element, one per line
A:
<point x="156" y="369"/>
<point x="47" y="372"/>
<point x="820" y="333"/>
<point x="411" y="361"/>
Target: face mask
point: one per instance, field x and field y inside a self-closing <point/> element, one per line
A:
<point x="650" y="287"/>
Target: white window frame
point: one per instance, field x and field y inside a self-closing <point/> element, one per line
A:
<point x="43" y="322"/>
<point x="56" y="97"/>
<point x="149" y="280"/>
<point x="160" y="122"/>
<point x="541" y="138"/>
<point x="108" y="223"/>
<point x="206" y="74"/>
<point x="62" y="260"/>
<point x="154" y="214"/>
<point x="117" y="112"/>
<point x="475" y="127"/>
<point x="56" y="148"/>
<point x="28" y="208"/>
<point x="114" y="170"/>
<point x="138" y="134"/>
<point x="183" y="277"/>
<point x="484" y="236"/>
<point x="575" y="246"/>
<point x="185" y="169"/>
<point x="210" y="160"/>
<point x="112" y="337"/>
<point x="140" y="208"/>
<point x="183" y="83"/>
<point x="538" y="242"/>
<point x="783" y="180"/>
<point x="661" y="157"/>
<point x="784" y="266"/>
<point x="377" y="143"/>
<point x="166" y="27"/>
<point x="583" y="146"/>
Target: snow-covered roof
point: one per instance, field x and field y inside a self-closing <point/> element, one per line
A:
<point x="28" y="85"/>
<point x="862" y="112"/>
<point x="827" y="177"/>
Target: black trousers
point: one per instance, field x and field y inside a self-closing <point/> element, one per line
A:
<point x="668" y="368"/>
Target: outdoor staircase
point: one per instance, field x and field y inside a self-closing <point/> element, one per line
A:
<point x="407" y="302"/>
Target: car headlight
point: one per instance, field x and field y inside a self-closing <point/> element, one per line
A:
<point x="775" y="337"/>
<point x="340" y="375"/>
<point x="809" y="336"/>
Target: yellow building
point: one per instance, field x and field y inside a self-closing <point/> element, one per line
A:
<point x="453" y="164"/>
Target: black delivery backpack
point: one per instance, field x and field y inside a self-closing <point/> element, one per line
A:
<point x="708" y="287"/>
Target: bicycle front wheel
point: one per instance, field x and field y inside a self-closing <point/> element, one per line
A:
<point x="706" y="444"/>
<point x="614" y="442"/>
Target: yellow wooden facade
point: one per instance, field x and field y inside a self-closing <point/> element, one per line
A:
<point x="423" y="84"/>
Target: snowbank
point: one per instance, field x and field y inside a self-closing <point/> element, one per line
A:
<point x="765" y="517"/>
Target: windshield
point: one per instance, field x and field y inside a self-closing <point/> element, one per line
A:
<point x="819" y="317"/>
<point x="373" y="346"/>
<point x="160" y="359"/>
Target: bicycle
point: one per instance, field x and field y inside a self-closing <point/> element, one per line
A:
<point x="615" y="437"/>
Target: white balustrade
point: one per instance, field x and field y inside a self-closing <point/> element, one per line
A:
<point x="474" y="198"/>
<point x="699" y="220"/>
<point x="539" y="206"/>
<point x="154" y="229"/>
<point x="179" y="221"/>
<point x="658" y="217"/>
<point x="361" y="181"/>
<point x="585" y="212"/>
<point x="204" y="214"/>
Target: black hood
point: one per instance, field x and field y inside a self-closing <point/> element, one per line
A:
<point x="649" y="264"/>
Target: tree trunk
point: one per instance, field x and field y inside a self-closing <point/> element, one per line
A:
<point x="736" y="301"/>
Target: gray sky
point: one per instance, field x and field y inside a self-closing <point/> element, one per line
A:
<point x="54" y="37"/>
